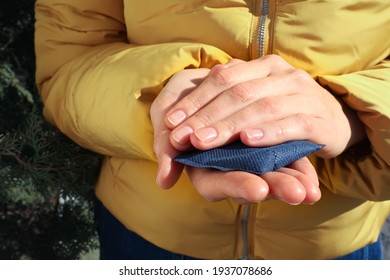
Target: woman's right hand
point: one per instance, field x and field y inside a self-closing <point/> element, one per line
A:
<point x="297" y="183"/>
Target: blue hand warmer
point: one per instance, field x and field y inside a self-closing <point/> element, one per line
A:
<point x="237" y="156"/>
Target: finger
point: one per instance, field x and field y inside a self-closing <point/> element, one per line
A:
<point x="180" y="85"/>
<point x="298" y="127"/>
<point x="216" y="185"/>
<point x="295" y="127"/>
<point x="295" y="184"/>
<point x="242" y="106"/>
<point x="168" y="171"/>
<point x="304" y="166"/>
<point x="220" y="78"/>
<point x="237" y="108"/>
<point x="305" y="173"/>
<point x="285" y="187"/>
<point x="233" y="61"/>
<point x="177" y="87"/>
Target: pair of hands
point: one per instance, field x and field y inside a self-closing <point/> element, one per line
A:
<point x="263" y="102"/>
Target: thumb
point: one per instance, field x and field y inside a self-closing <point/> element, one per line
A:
<point x="168" y="171"/>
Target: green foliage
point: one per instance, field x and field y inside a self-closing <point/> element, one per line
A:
<point x="16" y="61"/>
<point x="46" y="181"/>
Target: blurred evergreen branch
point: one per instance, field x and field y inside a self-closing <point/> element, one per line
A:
<point x="46" y="181"/>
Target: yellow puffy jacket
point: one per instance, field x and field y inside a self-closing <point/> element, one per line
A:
<point x="100" y="65"/>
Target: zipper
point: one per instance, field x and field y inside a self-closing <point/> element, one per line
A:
<point x="263" y="21"/>
<point x="261" y="37"/>
<point x="244" y="233"/>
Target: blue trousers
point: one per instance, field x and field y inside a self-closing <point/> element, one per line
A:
<point x="118" y="243"/>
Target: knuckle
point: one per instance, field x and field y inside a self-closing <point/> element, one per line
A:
<point x="201" y="120"/>
<point x="305" y="122"/>
<point x="279" y="130"/>
<point x="299" y="75"/>
<point x="223" y="76"/>
<point x="273" y="59"/>
<point x="193" y="104"/>
<point x="242" y="92"/>
<point x="269" y="106"/>
<point x="231" y="125"/>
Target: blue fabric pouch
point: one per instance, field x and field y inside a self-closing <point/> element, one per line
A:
<point x="257" y="160"/>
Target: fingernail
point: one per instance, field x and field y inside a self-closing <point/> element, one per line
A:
<point x="159" y="179"/>
<point x="159" y="175"/>
<point x="206" y="135"/>
<point x="294" y="203"/>
<point x="182" y="135"/>
<point x="176" y="117"/>
<point x="254" y="134"/>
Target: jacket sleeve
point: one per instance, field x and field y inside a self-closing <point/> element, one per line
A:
<point x="363" y="171"/>
<point x="96" y="86"/>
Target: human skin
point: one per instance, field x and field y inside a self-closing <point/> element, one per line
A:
<point x="262" y="102"/>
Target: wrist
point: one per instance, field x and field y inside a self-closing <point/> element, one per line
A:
<point x="357" y="127"/>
